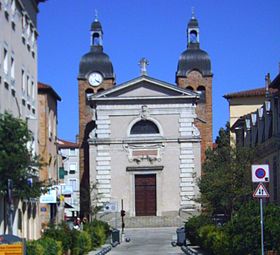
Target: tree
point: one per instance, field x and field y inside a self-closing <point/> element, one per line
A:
<point x="225" y="183"/>
<point x="17" y="161"/>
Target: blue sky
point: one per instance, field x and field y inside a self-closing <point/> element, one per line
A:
<point x="242" y="38"/>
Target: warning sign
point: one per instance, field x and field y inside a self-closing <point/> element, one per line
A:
<point x="261" y="191"/>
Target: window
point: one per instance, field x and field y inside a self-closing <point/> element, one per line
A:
<point x="73" y="183"/>
<point x="32" y="90"/>
<point x="13" y="24"/>
<point x="7" y="16"/>
<point x="201" y="92"/>
<point x="50" y="126"/>
<point x="23" y="84"/>
<point x="144" y="127"/>
<point x="5" y="61"/>
<point x="72" y="152"/>
<point x="72" y="168"/>
<point x="12" y="68"/>
<point x="28" y="86"/>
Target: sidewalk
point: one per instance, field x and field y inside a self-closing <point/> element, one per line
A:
<point x="149" y="241"/>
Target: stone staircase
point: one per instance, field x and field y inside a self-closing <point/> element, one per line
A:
<point x="153" y="221"/>
<point x="144" y="221"/>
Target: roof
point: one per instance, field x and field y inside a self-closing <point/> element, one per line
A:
<point x="66" y="144"/>
<point x="96" y="61"/>
<point x="249" y="93"/>
<point x="152" y="81"/>
<point x="276" y="82"/>
<point x="45" y="88"/>
<point x="194" y="58"/>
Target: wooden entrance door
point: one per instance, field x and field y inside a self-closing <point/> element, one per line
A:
<point x="145" y="195"/>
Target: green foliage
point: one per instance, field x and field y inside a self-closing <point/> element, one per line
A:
<point x="62" y="233"/>
<point x="193" y="224"/>
<point x="16" y="159"/>
<point x="34" y="248"/>
<point x="98" y="231"/>
<point x="241" y="235"/>
<point x="225" y="184"/>
<point x="83" y="244"/>
<point x="214" y="239"/>
<point x="244" y="228"/>
<point x="51" y="246"/>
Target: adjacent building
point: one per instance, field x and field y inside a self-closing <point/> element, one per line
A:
<point x="48" y="150"/>
<point x="260" y="129"/>
<point x="142" y="141"/>
<point x="18" y="90"/>
<point x="70" y="178"/>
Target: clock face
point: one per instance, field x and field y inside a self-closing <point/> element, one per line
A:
<point x="95" y="79"/>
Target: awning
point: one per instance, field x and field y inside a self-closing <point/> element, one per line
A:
<point x="68" y="206"/>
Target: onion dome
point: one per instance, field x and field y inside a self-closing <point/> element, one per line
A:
<point x="96" y="60"/>
<point x="193" y="58"/>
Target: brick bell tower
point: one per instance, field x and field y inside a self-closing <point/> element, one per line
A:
<point x="194" y="73"/>
<point x="96" y="74"/>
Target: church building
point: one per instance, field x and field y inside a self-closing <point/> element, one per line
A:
<point x="142" y="142"/>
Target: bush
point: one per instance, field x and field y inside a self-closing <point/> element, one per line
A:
<point x="51" y="247"/>
<point x="83" y="244"/>
<point x="193" y="225"/>
<point x="98" y="231"/>
<point x="214" y="239"/>
<point x="34" y="248"/>
<point x="62" y="233"/>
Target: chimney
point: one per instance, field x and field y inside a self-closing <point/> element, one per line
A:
<point x="77" y="139"/>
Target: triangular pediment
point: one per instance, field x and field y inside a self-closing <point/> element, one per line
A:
<point x="145" y="87"/>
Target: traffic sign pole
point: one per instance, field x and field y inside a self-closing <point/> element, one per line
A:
<point x="262" y="237"/>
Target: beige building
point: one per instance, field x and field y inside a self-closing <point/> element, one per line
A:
<point x="260" y="130"/>
<point x="48" y="150"/>
<point x="245" y="102"/>
<point x="18" y="91"/>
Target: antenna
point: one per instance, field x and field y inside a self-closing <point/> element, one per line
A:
<point x="96" y="15"/>
<point x="193" y="15"/>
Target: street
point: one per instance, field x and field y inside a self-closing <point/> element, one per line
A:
<point x="149" y="241"/>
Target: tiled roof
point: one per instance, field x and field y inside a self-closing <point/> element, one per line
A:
<point x="66" y="144"/>
<point x="249" y="93"/>
<point x="42" y="87"/>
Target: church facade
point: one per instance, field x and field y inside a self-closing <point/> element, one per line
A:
<point x="142" y="142"/>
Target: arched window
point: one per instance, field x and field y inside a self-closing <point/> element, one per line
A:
<point x="201" y="92"/>
<point x="89" y="93"/>
<point x="96" y="39"/>
<point x="193" y="36"/>
<point x="100" y="90"/>
<point x="144" y="127"/>
<point x="189" y="88"/>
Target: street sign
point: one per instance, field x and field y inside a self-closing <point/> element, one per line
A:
<point x="260" y="173"/>
<point x="261" y="191"/>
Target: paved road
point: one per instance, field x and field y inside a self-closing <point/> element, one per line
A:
<point x="148" y="241"/>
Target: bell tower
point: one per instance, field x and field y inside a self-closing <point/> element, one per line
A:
<point x="194" y="73"/>
<point x="96" y="74"/>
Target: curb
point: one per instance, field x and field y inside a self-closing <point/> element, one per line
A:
<point x="189" y="250"/>
<point x="104" y="250"/>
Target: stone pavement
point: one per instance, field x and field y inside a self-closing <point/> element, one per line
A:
<point x="148" y="241"/>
